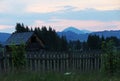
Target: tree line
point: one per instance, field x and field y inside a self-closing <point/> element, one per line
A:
<point x="53" y="42"/>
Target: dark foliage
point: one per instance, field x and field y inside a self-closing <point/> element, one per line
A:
<point x="49" y="37"/>
<point x="95" y="42"/>
<point x="21" y="28"/>
<point x="18" y="56"/>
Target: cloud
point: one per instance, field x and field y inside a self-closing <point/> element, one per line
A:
<point x="8" y="28"/>
<point x="90" y="19"/>
<point x="60" y="24"/>
<point x="85" y="14"/>
<point x="88" y="14"/>
<point x="37" y="8"/>
<point x="77" y="4"/>
<point x="12" y="6"/>
<point x="100" y="4"/>
<point x="4" y="27"/>
<point x="3" y="7"/>
<point x="40" y="6"/>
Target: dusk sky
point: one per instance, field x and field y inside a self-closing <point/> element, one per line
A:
<point x="93" y="15"/>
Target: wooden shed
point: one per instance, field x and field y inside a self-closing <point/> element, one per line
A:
<point x="29" y="39"/>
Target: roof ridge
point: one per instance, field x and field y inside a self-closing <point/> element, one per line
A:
<point x="23" y="32"/>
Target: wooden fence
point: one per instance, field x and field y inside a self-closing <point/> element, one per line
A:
<point x="56" y="61"/>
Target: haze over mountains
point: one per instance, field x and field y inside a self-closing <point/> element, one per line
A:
<point x="73" y="33"/>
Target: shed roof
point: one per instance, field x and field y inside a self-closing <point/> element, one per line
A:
<point x="18" y="38"/>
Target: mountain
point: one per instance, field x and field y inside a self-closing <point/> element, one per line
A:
<point x="70" y="35"/>
<point x="73" y="36"/>
<point x="4" y="37"/>
<point x="73" y="33"/>
<point x="115" y="33"/>
<point x="75" y="30"/>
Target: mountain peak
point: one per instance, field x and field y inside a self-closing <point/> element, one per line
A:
<point x="75" y="30"/>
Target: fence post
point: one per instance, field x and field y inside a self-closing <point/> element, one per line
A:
<point x="1" y="62"/>
<point x="70" y="61"/>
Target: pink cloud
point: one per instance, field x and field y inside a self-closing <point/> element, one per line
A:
<point x="4" y="27"/>
<point x="54" y="5"/>
<point x="7" y="28"/>
<point x="60" y="24"/>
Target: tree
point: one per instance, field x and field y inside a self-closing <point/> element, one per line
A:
<point x="78" y="45"/>
<point x="64" y="44"/>
<point x="75" y="45"/>
<point x="1" y="49"/>
<point x="84" y="45"/>
<point x="114" y="39"/>
<point x="27" y="29"/>
<point x="110" y="57"/>
<point x="0" y="45"/>
<point x="21" y="28"/>
<point x="18" y="28"/>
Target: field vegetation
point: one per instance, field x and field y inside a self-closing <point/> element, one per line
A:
<point x="52" y="76"/>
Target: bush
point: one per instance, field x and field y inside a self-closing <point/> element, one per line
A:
<point x="18" y="56"/>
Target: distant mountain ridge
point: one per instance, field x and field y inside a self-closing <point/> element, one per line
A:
<point x="4" y="37"/>
<point x="115" y="33"/>
<point x="72" y="35"/>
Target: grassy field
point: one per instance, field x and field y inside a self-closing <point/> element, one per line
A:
<point x="36" y="76"/>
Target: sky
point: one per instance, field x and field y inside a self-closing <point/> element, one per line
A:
<point x="93" y="15"/>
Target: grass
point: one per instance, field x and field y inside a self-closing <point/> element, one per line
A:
<point x="52" y="76"/>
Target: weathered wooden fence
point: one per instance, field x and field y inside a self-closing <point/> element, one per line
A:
<point x="56" y="61"/>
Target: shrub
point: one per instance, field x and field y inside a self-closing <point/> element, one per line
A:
<point x="18" y="56"/>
